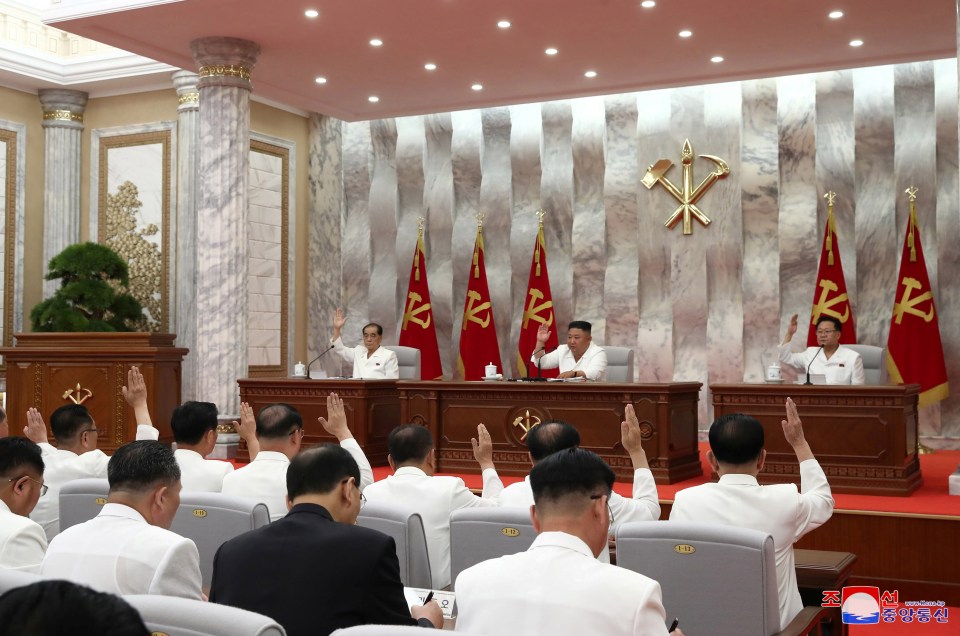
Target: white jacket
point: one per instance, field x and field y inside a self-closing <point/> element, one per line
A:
<point x="22" y="541"/>
<point x="382" y="365"/>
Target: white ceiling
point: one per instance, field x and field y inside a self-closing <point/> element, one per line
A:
<point x="630" y="47"/>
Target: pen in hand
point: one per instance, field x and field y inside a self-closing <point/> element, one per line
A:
<point x="674" y="624"/>
<point x="429" y="598"/>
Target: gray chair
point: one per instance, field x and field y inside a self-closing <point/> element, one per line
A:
<point x="874" y="362"/>
<point x="379" y="630"/>
<point x="11" y="579"/>
<point x="716" y="579"/>
<point x="211" y="518"/>
<point x="409" y="360"/>
<point x="481" y="534"/>
<point x="81" y="500"/>
<point x="407" y="531"/>
<point x="619" y="364"/>
<point x="175" y="616"/>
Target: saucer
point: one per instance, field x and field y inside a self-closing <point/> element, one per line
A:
<point x="768" y="381"/>
<point x="493" y="378"/>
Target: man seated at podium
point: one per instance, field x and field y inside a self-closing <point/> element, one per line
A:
<point x="370" y="360"/>
<point x="839" y="364"/>
<point x="76" y="455"/>
<point x="579" y="358"/>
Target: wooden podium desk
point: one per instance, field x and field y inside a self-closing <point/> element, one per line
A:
<point x="372" y="408"/>
<point x="452" y="410"/>
<point x="865" y="437"/>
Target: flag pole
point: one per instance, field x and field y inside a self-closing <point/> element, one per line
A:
<point x="911" y="193"/>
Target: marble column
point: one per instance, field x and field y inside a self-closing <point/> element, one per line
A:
<point x="224" y="65"/>
<point x="62" y="127"/>
<point x="188" y="163"/>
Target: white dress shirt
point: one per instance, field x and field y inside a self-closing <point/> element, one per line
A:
<point x="265" y="478"/>
<point x="593" y="362"/>
<point x="120" y="553"/>
<point x="382" y="365"/>
<point x="779" y="510"/>
<point x="643" y="507"/>
<point x="22" y="542"/>
<point x="845" y="366"/>
<point x="61" y="466"/>
<point x="198" y="474"/>
<point x="434" y="498"/>
<point x="557" y="587"/>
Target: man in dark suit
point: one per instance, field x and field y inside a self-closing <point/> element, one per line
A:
<point x="314" y="571"/>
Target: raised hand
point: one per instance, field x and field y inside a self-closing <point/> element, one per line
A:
<point x="543" y="334"/>
<point x="35" y="430"/>
<point x="791" y="328"/>
<point x="135" y="392"/>
<point x="247" y="429"/>
<point x="339" y="319"/>
<point x="336" y="422"/>
<point x="793" y="432"/>
<point x="482" y="447"/>
<point x="631" y="438"/>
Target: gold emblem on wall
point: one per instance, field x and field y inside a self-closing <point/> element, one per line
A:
<point x="77" y="395"/>
<point x="687" y="195"/>
<point x="526" y="422"/>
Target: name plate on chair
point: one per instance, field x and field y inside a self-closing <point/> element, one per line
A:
<point x="446" y="600"/>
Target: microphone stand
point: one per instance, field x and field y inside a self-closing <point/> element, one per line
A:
<point x="539" y="377"/>
<point x="323" y="353"/>
<point x="808" y="382"/>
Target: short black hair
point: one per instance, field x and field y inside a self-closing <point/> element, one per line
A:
<point x="278" y="420"/>
<point x="191" y="421"/>
<point x="68" y="420"/>
<point x="62" y="608"/>
<point x="574" y="471"/>
<point x="141" y="465"/>
<point x="373" y="324"/>
<point x="582" y="325"/>
<point x="736" y="438"/>
<point x="318" y="470"/>
<point x="409" y="442"/>
<point x="834" y="321"/>
<point x="549" y="437"/>
<point x="16" y="452"/>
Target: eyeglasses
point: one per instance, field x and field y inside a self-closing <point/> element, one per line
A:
<point x="363" y="500"/>
<point x="297" y="431"/>
<point x="43" y="487"/>
<point x="825" y="332"/>
<point x="609" y="509"/>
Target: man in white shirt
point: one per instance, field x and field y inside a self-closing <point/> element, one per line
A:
<point x="76" y="455"/>
<point x="22" y="542"/>
<point x="579" y="358"/>
<point x="737" y="455"/>
<point x="128" y="548"/>
<point x="194" y="426"/>
<point x="370" y="360"/>
<point x="558" y="586"/>
<point x="413" y="487"/>
<point x="553" y="436"/>
<point x="839" y="364"/>
<point x="280" y="433"/>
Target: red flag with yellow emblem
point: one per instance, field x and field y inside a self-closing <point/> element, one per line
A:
<point x="478" y="333"/>
<point x="418" y="329"/>
<point x="537" y="310"/>
<point x="914" y="349"/>
<point x="830" y="297"/>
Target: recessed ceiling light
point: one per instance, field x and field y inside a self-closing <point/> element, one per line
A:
<point x="590" y="74"/>
<point x="648" y="4"/>
<point x="311" y="13"/>
<point x="376" y="42"/>
<point x="835" y="15"/>
<point x="477" y="87"/>
<point x="504" y="24"/>
<point x="373" y="99"/>
<point x="430" y="66"/>
<point x="856" y="42"/>
<point x="685" y="33"/>
<point x="321" y="80"/>
<point x="551" y="51"/>
<point x="716" y="59"/>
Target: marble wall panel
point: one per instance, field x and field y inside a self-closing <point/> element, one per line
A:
<point x="438" y="196"/>
<point x="410" y="205"/>
<point x="759" y="195"/>
<point x="588" y="135"/>
<point x="382" y="290"/>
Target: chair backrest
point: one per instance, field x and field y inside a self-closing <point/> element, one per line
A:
<point x="480" y="534"/>
<point x="81" y="500"/>
<point x="175" y="616"/>
<point x="10" y="579"/>
<point x="716" y="579"/>
<point x="619" y="364"/>
<point x="874" y="362"/>
<point x="407" y="531"/>
<point x="211" y="518"/>
<point x="409" y="360"/>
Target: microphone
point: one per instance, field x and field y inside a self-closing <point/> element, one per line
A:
<point x="323" y="353"/>
<point x="539" y="377"/>
<point x="808" y="382"/>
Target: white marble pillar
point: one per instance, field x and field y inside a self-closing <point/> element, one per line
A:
<point x="62" y="127"/>
<point x="224" y="65"/>
<point x="188" y="164"/>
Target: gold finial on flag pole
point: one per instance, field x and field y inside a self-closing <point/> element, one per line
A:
<point x="420" y="251"/>
<point x="420" y="222"/>
<point x="911" y="193"/>
<point x="478" y="246"/>
<point x="536" y="255"/>
<point x="831" y="197"/>
<point x="540" y="214"/>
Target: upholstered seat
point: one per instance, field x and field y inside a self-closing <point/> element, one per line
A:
<point x="619" y="364"/>
<point x="407" y="531"/>
<point x="409" y="360"/>
<point x="480" y="534"/>
<point x="874" y="362"/>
